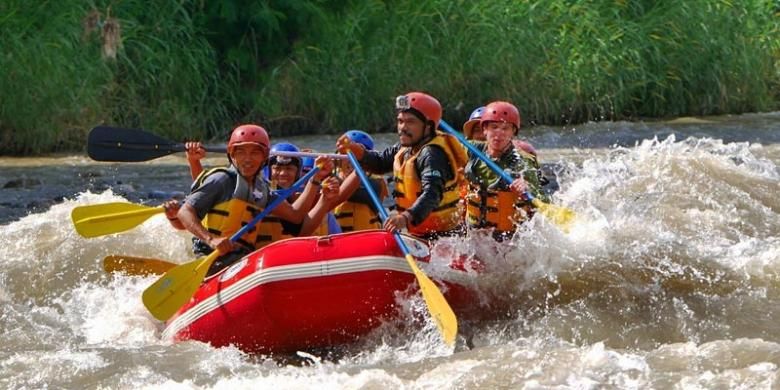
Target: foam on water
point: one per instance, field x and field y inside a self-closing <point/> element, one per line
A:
<point x="668" y="278"/>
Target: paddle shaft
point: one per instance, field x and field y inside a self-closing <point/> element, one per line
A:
<point x="437" y="305"/>
<point x="175" y="148"/>
<point x="481" y="156"/>
<point x="118" y="144"/>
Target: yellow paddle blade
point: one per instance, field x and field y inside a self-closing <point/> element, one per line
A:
<point x="136" y="266"/>
<point x="438" y="307"/>
<point x="107" y="218"/>
<point x="165" y="296"/>
<point x="559" y="215"/>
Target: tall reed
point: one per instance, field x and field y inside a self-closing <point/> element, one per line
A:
<point x="49" y="83"/>
<point x="71" y="66"/>
<point x="166" y="76"/>
<point x="193" y="69"/>
<point x="559" y="60"/>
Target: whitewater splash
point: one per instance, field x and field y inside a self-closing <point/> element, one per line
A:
<point x="657" y="224"/>
<point x="669" y="277"/>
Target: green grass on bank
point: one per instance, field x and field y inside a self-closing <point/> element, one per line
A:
<point x="59" y="78"/>
<point x="190" y="69"/>
<point x="559" y="61"/>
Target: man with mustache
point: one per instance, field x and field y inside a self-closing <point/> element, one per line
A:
<point x="426" y="166"/>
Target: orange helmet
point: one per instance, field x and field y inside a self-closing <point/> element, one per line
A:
<point x="249" y="134"/>
<point x="424" y="104"/>
<point x="501" y="112"/>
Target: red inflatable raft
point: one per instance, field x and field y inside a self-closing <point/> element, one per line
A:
<point x="305" y="293"/>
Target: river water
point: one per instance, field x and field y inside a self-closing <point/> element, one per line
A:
<point x="670" y="277"/>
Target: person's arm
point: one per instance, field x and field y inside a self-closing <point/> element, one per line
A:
<point x="532" y="179"/>
<point x="190" y="220"/>
<point x="380" y="162"/>
<point x="348" y="187"/>
<point x="172" y="207"/>
<point x="313" y="219"/>
<point x="296" y="212"/>
<point x="433" y="167"/>
<point x="195" y="152"/>
<point x="198" y="202"/>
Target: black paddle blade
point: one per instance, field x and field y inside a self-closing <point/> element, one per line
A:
<point x="116" y="144"/>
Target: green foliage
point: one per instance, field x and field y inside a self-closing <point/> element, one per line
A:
<point x="49" y="81"/>
<point x="192" y="69"/>
<point x="165" y="76"/>
<point x="559" y="60"/>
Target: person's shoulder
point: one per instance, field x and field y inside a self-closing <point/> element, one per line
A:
<point x="433" y="150"/>
<point x="219" y="176"/>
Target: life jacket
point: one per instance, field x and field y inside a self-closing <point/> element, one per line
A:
<point x="227" y="217"/>
<point x="353" y="216"/>
<point x="495" y="206"/>
<point x="501" y="210"/>
<point x="271" y="230"/>
<point x="445" y="216"/>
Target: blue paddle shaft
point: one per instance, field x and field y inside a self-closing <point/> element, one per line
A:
<point x="473" y="149"/>
<point x="375" y="199"/>
<point x="281" y="196"/>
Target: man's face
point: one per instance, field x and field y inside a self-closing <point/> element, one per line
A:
<point x="410" y="128"/>
<point x="248" y="159"/>
<point x="284" y="175"/>
<point x="498" y="134"/>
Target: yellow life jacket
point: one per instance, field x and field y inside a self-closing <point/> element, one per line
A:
<point x="271" y="227"/>
<point x="227" y="217"/>
<point x="501" y="210"/>
<point x="353" y="216"/>
<point x="408" y="187"/>
<point x="271" y="230"/>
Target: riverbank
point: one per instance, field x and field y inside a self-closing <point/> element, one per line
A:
<point x="33" y="184"/>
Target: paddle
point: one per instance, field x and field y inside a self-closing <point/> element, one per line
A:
<point x="116" y="144"/>
<point x="438" y="307"/>
<point x="107" y="218"/>
<point x="165" y="296"/>
<point x="559" y="215"/>
<point x="136" y="266"/>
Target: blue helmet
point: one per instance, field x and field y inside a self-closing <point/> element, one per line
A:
<point x="477" y="113"/>
<point x="474" y="118"/>
<point x="307" y="163"/>
<point x="360" y="137"/>
<point x="283" y="160"/>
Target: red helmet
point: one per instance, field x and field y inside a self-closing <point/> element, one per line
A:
<point x="249" y="134"/>
<point x="502" y="112"/>
<point x="423" y="103"/>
